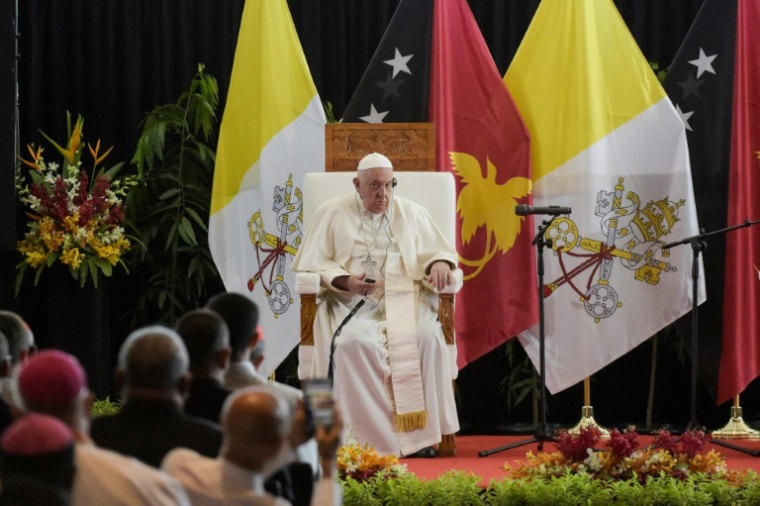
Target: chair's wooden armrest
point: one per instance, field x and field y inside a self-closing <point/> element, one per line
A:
<point x="307" y="283"/>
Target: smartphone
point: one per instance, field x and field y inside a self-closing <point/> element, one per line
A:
<point x="318" y="396"/>
<point x="368" y="280"/>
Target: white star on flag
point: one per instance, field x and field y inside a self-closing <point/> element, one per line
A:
<point x="703" y="63"/>
<point x="374" y="116"/>
<point x="685" y="117"/>
<point x="399" y="63"/>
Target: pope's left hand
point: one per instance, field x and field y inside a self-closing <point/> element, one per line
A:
<point x="440" y="275"/>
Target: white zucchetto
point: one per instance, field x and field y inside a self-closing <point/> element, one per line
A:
<point x="374" y="161"/>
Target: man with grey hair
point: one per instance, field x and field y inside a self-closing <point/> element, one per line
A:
<point x="257" y="422"/>
<point x="153" y="378"/>
<point x="390" y="361"/>
<point x="20" y="346"/>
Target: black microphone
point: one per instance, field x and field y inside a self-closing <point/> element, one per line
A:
<point x="525" y="210"/>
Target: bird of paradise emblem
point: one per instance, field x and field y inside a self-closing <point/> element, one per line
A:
<point x="482" y="202"/>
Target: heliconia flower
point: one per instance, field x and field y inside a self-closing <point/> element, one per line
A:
<point x="94" y="153"/>
<point x="35" y="156"/>
<point x="76" y="138"/>
<point x="73" y="146"/>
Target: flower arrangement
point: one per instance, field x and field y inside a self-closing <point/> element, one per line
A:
<point x="623" y="460"/>
<point x="75" y="217"/>
<point x="362" y="462"/>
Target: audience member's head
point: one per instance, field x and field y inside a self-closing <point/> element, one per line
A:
<point x="242" y="318"/>
<point x="5" y="357"/>
<point x="37" y="461"/>
<point x="153" y="363"/>
<point x="54" y="383"/>
<point x="259" y="349"/>
<point x="207" y="340"/>
<point x="256" y="423"/>
<point x="19" y="336"/>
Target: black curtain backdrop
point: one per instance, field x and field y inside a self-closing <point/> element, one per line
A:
<point x="113" y="60"/>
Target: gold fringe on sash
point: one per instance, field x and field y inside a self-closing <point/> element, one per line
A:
<point x="411" y="421"/>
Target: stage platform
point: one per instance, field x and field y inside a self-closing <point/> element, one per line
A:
<point x="490" y="467"/>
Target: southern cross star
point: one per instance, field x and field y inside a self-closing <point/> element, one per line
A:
<point x="703" y="63"/>
<point x="399" y="63"/>
<point x="374" y="116"/>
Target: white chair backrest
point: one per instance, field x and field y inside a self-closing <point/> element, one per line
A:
<point x="433" y="190"/>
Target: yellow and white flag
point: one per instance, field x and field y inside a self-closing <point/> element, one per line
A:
<point x="272" y="134"/>
<point x="607" y="142"/>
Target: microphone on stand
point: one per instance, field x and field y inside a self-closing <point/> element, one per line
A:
<point x="526" y="210"/>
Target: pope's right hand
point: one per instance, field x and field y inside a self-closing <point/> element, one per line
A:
<point x="356" y="284"/>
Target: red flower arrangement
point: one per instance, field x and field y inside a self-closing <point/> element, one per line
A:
<point x="76" y="219"/>
<point x="577" y="453"/>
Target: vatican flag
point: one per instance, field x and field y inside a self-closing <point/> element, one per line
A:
<point x="607" y="142"/>
<point x="272" y="134"/>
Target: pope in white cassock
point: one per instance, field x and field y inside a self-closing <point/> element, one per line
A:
<point x="391" y="373"/>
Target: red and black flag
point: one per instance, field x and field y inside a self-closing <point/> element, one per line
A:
<point x="433" y="65"/>
<point x="714" y="82"/>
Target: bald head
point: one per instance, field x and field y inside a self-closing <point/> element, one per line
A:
<point x="256" y="422"/>
<point x="153" y="358"/>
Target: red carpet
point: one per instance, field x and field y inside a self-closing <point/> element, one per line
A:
<point x="490" y="467"/>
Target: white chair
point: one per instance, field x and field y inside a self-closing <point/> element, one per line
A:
<point x="433" y="190"/>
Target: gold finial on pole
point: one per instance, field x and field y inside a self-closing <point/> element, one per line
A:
<point x="587" y="413"/>
<point x="736" y="428"/>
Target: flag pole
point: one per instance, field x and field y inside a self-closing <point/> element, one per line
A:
<point x="587" y="413"/>
<point x="736" y="428"/>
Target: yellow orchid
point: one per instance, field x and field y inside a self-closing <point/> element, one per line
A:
<point x="94" y="152"/>
<point x="72" y="257"/>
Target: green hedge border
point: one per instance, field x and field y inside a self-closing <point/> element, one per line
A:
<point x="461" y="488"/>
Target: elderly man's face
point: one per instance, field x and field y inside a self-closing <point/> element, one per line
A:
<point x="375" y="187"/>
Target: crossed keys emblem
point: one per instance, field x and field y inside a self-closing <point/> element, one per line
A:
<point x="640" y="250"/>
<point x="271" y="249"/>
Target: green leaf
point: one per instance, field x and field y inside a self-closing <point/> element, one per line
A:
<point x="171" y="238"/>
<point x="37" y="178"/>
<point x="84" y="270"/>
<point x="194" y="215"/>
<point x="104" y="266"/>
<point x="193" y="266"/>
<point x="93" y="271"/>
<point x="38" y="273"/>
<point x="111" y="173"/>
<point x="121" y="262"/>
<point x="20" y="276"/>
<point x="169" y="193"/>
<point x="189" y="233"/>
<point x="51" y="259"/>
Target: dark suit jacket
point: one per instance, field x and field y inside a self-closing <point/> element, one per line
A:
<point x="206" y="399"/>
<point x="148" y="430"/>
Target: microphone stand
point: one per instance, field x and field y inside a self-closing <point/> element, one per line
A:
<point x="331" y="363"/>
<point x="698" y="245"/>
<point x="543" y="433"/>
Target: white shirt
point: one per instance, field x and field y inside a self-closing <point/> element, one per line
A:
<point x="106" y="477"/>
<point x="218" y="482"/>
<point x="243" y="374"/>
